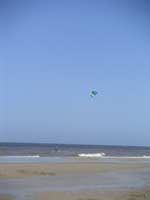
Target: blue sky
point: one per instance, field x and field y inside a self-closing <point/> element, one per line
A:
<point x="54" y="52"/>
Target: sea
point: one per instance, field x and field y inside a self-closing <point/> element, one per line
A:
<point x="36" y="152"/>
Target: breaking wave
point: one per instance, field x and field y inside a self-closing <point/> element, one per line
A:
<point x="90" y="155"/>
<point x="103" y="155"/>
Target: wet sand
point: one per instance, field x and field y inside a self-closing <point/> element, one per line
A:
<point x="16" y="170"/>
<point x="6" y="197"/>
<point x="105" y="194"/>
<point x="109" y="194"/>
<point x="27" y="170"/>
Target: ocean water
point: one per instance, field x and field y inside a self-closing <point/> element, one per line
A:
<point x="45" y="150"/>
<point x="61" y="152"/>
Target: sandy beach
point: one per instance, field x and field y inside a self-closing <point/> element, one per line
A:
<point x="45" y="169"/>
<point x="6" y="197"/>
<point x="139" y="194"/>
<point x="25" y="170"/>
<point x="134" y="194"/>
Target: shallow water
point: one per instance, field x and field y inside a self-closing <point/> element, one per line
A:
<point x="23" y="188"/>
<point x="54" y="159"/>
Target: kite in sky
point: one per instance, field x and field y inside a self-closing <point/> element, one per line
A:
<point x="93" y="93"/>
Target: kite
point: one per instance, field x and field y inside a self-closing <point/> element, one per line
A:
<point x="93" y="93"/>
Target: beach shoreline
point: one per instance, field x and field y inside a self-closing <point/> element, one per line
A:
<point x="102" y="194"/>
<point x="19" y="171"/>
<point x="16" y="170"/>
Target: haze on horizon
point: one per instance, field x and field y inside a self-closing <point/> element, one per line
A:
<point x="54" y="52"/>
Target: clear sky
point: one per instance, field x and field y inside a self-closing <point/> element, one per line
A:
<point x="52" y="53"/>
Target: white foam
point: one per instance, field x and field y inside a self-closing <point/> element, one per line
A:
<point x="28" y="156"/>
<point x="147" y="157"/>
<point x="103" y="155"/>
<point x="128" y="157"/>
<point x="94" y="155"/>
